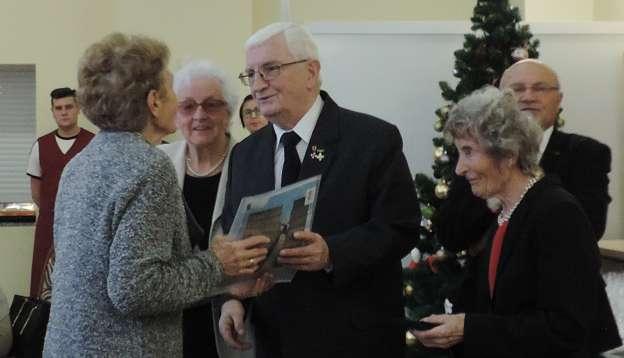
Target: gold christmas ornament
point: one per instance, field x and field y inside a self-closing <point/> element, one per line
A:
<point x="441" y="190"/>
<point x="410" y="339"/>
<point x="408" y="290"/>
<point x="437" y="126"/>
<point x="438" y="153"/>
<point x="445" y="109"/>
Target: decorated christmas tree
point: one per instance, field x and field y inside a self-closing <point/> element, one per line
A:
<point x="497" y="40"/>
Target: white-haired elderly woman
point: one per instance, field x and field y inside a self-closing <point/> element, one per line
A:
<point x="538" y="288"/>
<point x="206" y="101"/>
<point x="124" y="267"/>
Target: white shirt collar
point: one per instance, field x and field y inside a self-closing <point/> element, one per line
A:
<point x="545" y="138"/>
<point x="306" y="124"/>
<point x="304" y="129"/>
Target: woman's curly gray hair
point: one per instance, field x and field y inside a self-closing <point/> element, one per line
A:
<point x="115" y="76"/>
<point x="492" y="118"/>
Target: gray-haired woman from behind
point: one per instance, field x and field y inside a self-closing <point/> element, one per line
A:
<point x="124" y="267"/>
<point x="538" y="290"/>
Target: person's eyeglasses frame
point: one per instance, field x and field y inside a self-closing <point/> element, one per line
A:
<point x="539" y="88"/>
<point x="274" y="70"/>
<point x="251" y="113"/>
<point x="208" y="105"/>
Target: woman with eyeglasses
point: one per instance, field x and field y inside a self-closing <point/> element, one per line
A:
<point x="250" y="116"/>
<point x="206" y="101"/>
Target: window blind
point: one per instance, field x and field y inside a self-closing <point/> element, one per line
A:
<point x="17" y="130"/>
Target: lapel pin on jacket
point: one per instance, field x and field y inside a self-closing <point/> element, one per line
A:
<point x="317" y="153"/>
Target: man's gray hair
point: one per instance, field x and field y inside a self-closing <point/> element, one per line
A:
<point x="298" y="39"/>
<point x="205" y="69"/>
<point x="492" y="118"/>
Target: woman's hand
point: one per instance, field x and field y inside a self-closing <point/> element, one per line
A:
<point x="232" y="325"/>
<point x="449" y="332"/>
<point x="240" y="257"/>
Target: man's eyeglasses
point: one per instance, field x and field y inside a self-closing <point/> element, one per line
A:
<point x="268" y="72"/>
<point x="251" y="113"/>
<point x="539" y="88"/>
<point x="210" y="106"/>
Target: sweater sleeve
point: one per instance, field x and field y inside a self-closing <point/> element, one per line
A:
<point x="150" y="269"/>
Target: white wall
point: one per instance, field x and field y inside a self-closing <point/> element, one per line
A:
<point x="609" y="10"/>
<point x="16" y="245"/>
<point x="558" y="10"/>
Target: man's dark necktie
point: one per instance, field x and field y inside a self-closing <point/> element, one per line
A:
<point x="290" y="170"/>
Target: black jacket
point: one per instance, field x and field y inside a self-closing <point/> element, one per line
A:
<point x="549" y="298"/>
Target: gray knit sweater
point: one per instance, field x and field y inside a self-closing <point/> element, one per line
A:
<point x="124" y="268"/>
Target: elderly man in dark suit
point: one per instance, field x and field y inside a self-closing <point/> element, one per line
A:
<point x="346" y="299"/>
<point x="581" y="163"/>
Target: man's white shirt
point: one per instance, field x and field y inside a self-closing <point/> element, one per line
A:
<point x="304" y="129"/>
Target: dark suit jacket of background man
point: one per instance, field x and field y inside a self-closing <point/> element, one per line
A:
<point x="549" y="294"/>
<point x="581" y="163"/>
<point x="367" y="211"/>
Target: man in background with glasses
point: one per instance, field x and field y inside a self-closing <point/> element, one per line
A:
<point x="346" y="298"/>
<point x="582" y="163"/>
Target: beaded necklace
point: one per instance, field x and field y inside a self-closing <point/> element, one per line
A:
<point x="206" y="173"/>
<point x="502" y="217"/>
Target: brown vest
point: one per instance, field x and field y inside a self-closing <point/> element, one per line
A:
<point x="52" y="162"/>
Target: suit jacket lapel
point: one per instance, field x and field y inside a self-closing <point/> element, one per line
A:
<point x="551" y="155"/>
<point x="323" y="144"/>
<point x="515" y="230"/>
<point x="265" y="161"/>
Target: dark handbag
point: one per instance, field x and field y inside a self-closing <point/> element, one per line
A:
<point x="29" y="319"/>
